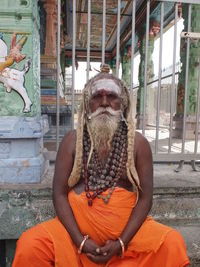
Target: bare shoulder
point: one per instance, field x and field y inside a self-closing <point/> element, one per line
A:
<point x="69" y="138"/>
<point x="65" y="158"/>
<point x="142" y="146"/>
<point x="67" y="145"/>
<point x="144" y="164"/>
<point x="140" y="141"/>
<point x="64" y="164"/>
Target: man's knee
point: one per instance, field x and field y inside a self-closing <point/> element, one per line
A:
<point x="174" y="242"/>
<point x="26" y="241"/>
<point x="35" y="242"/>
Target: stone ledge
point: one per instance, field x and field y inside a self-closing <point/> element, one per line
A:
<point x="21" y="209"/>
<point x="176" y="203"/>
<point x="191" y="237"/>
<point x="23" y="206"/>
<point x="12" y="127"/>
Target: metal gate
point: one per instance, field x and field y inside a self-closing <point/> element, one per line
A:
<point x="167" y="128"/>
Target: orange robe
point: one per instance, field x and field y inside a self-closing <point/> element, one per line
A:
<point x="49" y="244"/>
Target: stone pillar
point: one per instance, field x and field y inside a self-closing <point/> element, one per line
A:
<point x="153" y="31"/>
<point x="193" y="77"/>
<point x="51" y="27"/>
<point x="21" y="125"/>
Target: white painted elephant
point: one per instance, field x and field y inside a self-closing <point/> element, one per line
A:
<point x="14" y="79"/>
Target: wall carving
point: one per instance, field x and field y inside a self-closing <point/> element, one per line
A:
<point x="4" y="147"/>
<point x="13" y="78"/>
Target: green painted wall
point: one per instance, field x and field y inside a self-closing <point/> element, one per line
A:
<point x="150" y="70"/>
<point x="194" y="55"/>
<point x="21" y="16"/>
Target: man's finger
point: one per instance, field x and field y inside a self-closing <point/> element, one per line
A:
<point x="90" y="255"/>
<point x="98" y="251"/>
<point x="105" y="248"/>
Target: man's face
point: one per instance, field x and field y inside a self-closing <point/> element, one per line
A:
<point x="105" y="95"/>
<point x="105" y="112"/>
<point x="104" y="99"/>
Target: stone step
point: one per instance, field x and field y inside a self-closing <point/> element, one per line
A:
<point x="191" y="235"/>
<point x="176" y="203"/>
<point x="48" y="83"/>
<point x="173" y="203"/>
<point x="35" y="205"/>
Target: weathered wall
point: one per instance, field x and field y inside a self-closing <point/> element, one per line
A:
<point x="21" y="125"/>
<point x="21" y="17"/>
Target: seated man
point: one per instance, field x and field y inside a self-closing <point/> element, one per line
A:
<point x="102" y="192"/>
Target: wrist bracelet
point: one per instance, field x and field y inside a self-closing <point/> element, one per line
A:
<point x="82" y="244"/>
<point x="122" y="247"/>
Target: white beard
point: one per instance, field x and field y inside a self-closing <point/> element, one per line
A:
<point x="103" y="126"/>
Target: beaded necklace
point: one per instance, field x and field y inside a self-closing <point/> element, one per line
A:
<point x="99" y="178"/>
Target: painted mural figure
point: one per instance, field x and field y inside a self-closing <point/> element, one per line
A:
<point x="10" y="77"/>
<point x="192" y="100"/>
<point x="180" y="100"/>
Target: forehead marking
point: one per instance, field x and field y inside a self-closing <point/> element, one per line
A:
<point x="107" y="85"/>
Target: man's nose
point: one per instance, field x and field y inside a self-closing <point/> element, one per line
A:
<point x="104" y="101"/>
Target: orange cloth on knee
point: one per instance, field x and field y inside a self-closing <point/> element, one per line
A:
<point x="172" y="253"/>
<point x="34" y="248"/>
<point x="152" y="244"/>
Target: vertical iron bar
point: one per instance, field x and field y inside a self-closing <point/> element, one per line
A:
<point x="159" y="77"/>
<point x="103" y="32"/>
<point x="132" y="48"/>
<point x="73" y="59"/>
<point x="197" y="115"/>
<point x="58" y="77"/>
<point x="118" y="37"/>
<point x="186" y="79"/>
<point x="172" y="91"/>
<point x="145" y="68"/>
<point x="88" y="39"/>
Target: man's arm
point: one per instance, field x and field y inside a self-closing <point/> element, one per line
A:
<point x="144" y="167"/>
<point x="63" y="168"/>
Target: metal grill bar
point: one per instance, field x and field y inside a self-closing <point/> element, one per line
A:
<point x="197" y="115"/>
<point x="170" y="152"/>
<point x="88" y="39"/>
<point x="186" y="79"/>
<point x="118" y="37"/>
<point x="145" y="70"/>
<point x="132" y="48"/>
<point x="58" y="78"/>
<point x="172" y="91"/>
<point x="73" y="60"/>
<point x="182" y="1"/>
<point x="156" y="80"/>
<point x="103" y="32"/>
<point x="159" y="77"/>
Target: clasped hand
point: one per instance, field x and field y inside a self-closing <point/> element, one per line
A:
<point x="101" y="254"/>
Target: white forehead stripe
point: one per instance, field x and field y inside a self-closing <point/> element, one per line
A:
<point x="106" y="84"/>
